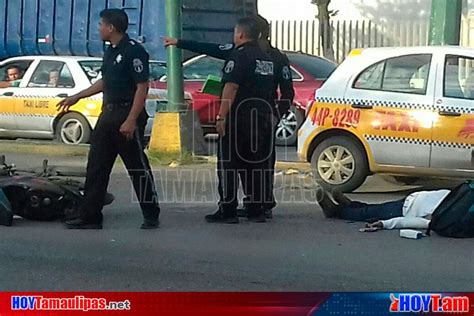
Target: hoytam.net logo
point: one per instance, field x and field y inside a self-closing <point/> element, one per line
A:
<point x="429" y="303"/>
<point x="76" y="303"/>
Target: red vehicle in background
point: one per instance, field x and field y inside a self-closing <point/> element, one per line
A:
<point x="309" y="73"/>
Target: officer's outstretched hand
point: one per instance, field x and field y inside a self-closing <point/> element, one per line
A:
<point x="168" y="41"/>
<point x="67" y="103"/>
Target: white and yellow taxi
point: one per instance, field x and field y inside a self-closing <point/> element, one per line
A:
<point x="29" y="109"/>
<point x="399" y="111"/>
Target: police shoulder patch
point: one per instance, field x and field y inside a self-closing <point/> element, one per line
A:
<point x="286" y="73"/>
<point x="226" y="47"/>
<point x="229" y="67"/>
<point x="138" y="65"/>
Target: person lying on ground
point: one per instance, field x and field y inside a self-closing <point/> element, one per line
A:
<point x="413" y="212"/>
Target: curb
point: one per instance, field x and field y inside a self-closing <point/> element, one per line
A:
<point x="280" y="165"/>
<point x="39" y="148"/>
<point x="57" y="149"/>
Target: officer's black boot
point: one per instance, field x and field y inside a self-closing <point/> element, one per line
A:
<point x="82" y="224"/>
<point x="220" y="218"/>
<point x="148" y="224"/>
<point x="94" y="222"/>
<point x="256" y="215"/>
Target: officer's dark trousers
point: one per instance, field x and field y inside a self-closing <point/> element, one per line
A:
<point x="106" y="144"/>
<point x="362" y="212"/>
<point x="237" y="159"/>
<point x="269" y="202"/>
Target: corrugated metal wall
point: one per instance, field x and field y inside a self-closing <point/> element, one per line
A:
<point x="69" y="27"/>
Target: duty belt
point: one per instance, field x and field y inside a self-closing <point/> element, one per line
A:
<point x="118" y="105"/>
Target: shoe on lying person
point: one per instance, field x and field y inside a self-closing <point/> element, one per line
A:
<point x="340" y="198"/>
<point x="329" y="206"/>
<point x="219" y="218"/>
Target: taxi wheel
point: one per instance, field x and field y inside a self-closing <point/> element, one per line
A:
<point x="287" y="128"/>
<point x="73" y="129"/>
<point x="340" y="163"/>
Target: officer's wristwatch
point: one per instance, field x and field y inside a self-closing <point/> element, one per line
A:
<point x="220" y="118"/>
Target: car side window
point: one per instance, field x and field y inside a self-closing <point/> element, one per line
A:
<point x="406" y="74"/>
<point x="296" y="75"/>
<point x="202" y="68"/>
<point x="459" y="77"/>
<point x="22" y="65"/>
<point x="371" y="78"/>
<point x="52" y="74"/>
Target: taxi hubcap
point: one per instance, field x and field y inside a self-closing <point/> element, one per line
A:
<point x="72" y="131"/>
<point x="287" y="126"/>
<point x="336" y="165"/>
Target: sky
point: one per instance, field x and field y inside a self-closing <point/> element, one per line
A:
<point x="287" y="9"/>
<point x="304" y="10"/>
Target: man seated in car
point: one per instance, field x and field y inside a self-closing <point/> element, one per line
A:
<point x="13" y="77"/>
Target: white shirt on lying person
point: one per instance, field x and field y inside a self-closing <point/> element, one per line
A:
<point x="416" y="210"/>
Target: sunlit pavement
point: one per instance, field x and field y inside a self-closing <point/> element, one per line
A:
<point x="299" y="250"/>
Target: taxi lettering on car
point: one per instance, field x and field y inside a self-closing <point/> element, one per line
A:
<point x="28" y="109"/>
<point x="400" y="111"/>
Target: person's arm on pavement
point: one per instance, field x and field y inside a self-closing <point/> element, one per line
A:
<point x="67" y="103"/>
<point x="220" y="51"/>
<point x="406" y="223"/>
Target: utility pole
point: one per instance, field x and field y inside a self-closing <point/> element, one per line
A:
<point x="177" y="130"/>
<point x="174" y="65"/>
<point x="445" y="22"/>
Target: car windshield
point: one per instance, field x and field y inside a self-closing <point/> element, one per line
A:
<point x="157" y="70"/>
<point x="93" y="69"/>
<point x="317" y="67"/>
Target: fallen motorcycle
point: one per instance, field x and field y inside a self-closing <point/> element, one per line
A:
<point x="42" y="194"/>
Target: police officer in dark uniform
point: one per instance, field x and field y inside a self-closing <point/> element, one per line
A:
<point x="243" y="124"/>
<point x="283" y="84"/>
<point x="121" y="125"/>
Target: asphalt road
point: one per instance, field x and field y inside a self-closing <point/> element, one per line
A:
<point x="299" y="250"/>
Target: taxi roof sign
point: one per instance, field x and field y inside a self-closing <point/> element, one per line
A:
<point x="356" y="52"/>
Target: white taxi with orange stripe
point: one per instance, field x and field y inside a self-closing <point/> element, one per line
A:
<point x="29" y="109"/>
<point x="400" y="111"/>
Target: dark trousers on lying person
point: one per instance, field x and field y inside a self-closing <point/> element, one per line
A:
<point x="363" y="212"/>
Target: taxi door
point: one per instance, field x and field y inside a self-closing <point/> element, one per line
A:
<point x="7" y="111"/>
<point x="395" y="99"/>
<point x="41" y="94"/>
<point x="8" y="97"/>
<point x="453" y="133"/>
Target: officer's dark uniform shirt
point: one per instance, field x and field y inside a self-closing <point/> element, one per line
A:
<point x="282" y="71"/>
<point x="253" y="70"/>
<point x="124" y="66"/>
<point x="249" y="120"/>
